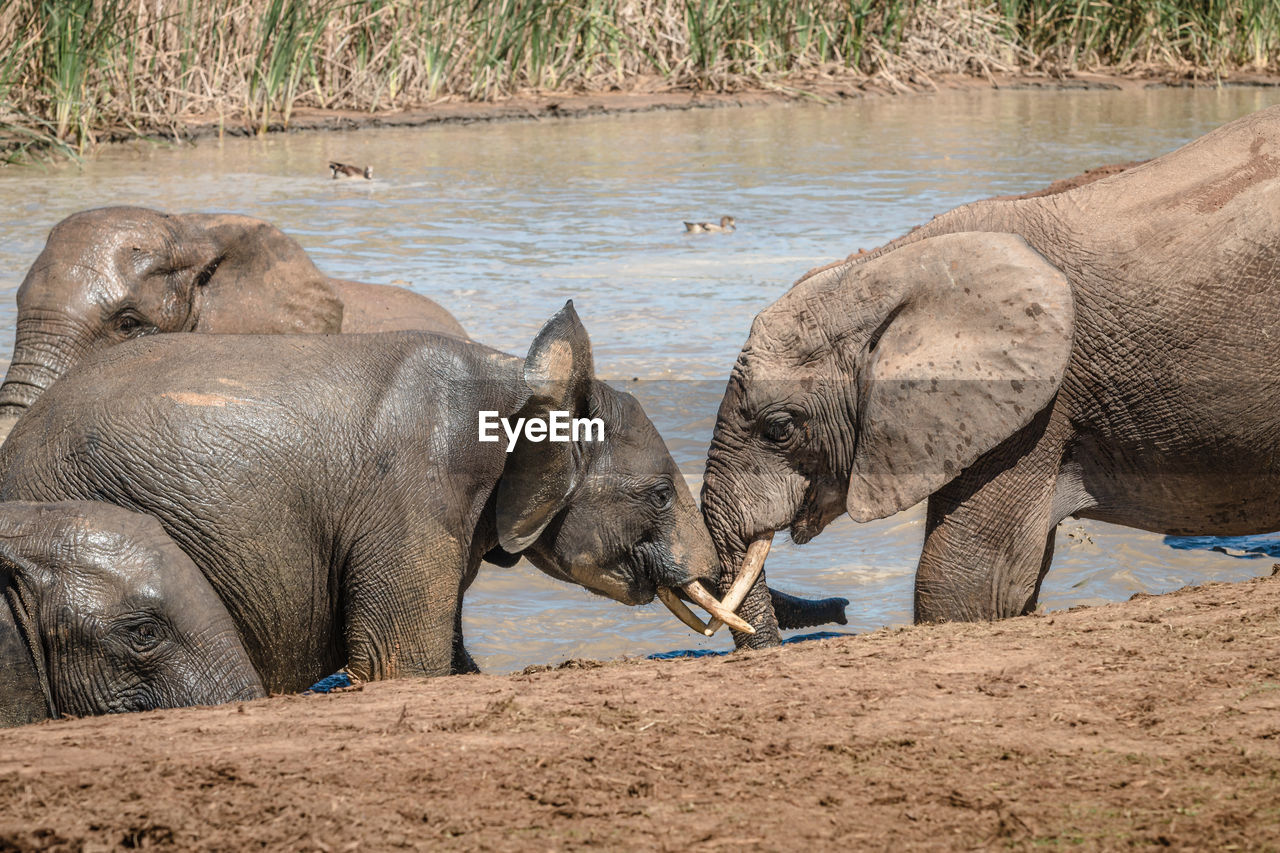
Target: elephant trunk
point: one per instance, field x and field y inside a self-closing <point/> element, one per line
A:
<point x="699" y="565"/>
<point x="731" y="548"/>
<point x="793" y="612"/>
<point x="768" y="610"/>
<point x="39" y="359"/>
<point x="227" y="674"/>
<point x="756" y="609"/>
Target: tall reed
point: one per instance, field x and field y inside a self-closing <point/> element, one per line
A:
<point x="287" y="33"/>
<point x="1199" y="37"/>
<point x="69" y="68"/>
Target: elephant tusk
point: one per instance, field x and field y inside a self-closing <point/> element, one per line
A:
<point x="681" y="610"/>
<point x="708" y="602"/>
<point x="752" y="565"/>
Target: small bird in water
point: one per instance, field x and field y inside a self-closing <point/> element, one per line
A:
<point x="342" y="170"/>
<point x="726" y="225"/>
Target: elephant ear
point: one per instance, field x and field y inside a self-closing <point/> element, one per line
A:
<point x="970" y="341"/>
<point x="24" y="673"/>
<point x="539" y="476"/>
<point x="257" y="280"/>
<point x="25" y="697"/>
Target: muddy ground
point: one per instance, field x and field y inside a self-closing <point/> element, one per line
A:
<point x="1150" y="723"/>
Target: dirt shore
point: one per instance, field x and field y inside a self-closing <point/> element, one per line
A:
<point x="647" y="96"/>
<point x="1150" y="723"/>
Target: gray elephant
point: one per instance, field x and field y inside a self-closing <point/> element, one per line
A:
<point x="336" y="492"/>
<point x="100" y="613"/>
<point x="109" y="275"/>
<point x="1102" y="352"/>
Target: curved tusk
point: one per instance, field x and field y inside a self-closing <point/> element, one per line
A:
<point x="708" y="602"/>
<point x="752" y="565"/>
<point x="681" y="610"/>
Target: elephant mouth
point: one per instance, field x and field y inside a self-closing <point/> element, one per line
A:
<point x="674" y="586"/>
<point x="812" y="517"/>
<point x="802" y="533"/>
<point x="722" y="611"/>
<point x="638" y="581"/>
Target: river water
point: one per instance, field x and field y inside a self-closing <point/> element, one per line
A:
<point x="504" y="222"/>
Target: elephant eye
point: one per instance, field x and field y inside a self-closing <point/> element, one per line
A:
<point x="661" y="496"/>
<point x="131" y="325"/>
<point x="779" y="427"/>
<point x="206" y="273"/>
<point x="142" y="636"/>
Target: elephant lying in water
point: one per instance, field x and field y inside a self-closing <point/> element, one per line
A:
<point x="1102" y="352"/>
<point x="116" y="273"/>
<point x="334" y="490"/>
<point x="101" y="613"/>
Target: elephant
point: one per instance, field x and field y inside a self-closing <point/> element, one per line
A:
<point x="1101" y="352"/>
<point x="102" y="613"/>
<point x="116" y="273"/>
<point x="336" y="491"/>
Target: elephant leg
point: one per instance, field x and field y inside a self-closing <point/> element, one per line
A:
<point x="462" y="662"/>
<point x="402" y="609"/>
<point x="989" y="533"/>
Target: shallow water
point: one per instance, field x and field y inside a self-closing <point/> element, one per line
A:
<point x="503" y="222"/>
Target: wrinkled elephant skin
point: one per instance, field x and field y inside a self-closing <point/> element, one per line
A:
<point x="1101" y="352"/>
<point x="112" y="274"/>
<point x="334" y="490"/>
<point x="100" y="612"/>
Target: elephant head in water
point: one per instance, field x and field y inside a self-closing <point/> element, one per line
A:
<point x="100" y="612"/>
<point x="116" y="273"/>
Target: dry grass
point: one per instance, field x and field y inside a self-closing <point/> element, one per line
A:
<point x="71" y="67"/>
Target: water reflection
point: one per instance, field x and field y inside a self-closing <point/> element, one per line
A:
<point x="504" y="222"/>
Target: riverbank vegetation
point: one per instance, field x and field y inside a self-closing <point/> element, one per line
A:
<point x="71" y="68"/>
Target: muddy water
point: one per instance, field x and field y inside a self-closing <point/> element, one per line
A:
<point x="504" y="222"/>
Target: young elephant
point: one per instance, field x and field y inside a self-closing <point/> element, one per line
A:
<point x="100" y="612"/>
<point x="116" y="273"/>
<point x="335" y="491"/>
<point x="1102" y="352"/>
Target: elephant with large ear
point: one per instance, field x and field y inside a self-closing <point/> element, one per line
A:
<point x="109" y="275"/>
<point x="100" y="613"/>
<point x="1100" y="352"/>
<point x="340" y="491"/>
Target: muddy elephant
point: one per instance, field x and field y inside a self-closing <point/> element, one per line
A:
<point x="1103" y="352"/>
<point x="109" y="275"/>
<point x="100" y="612"/>
<point x="336" y="492"/>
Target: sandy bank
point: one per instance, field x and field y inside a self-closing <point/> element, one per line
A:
<point x="1152" y="722"/>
